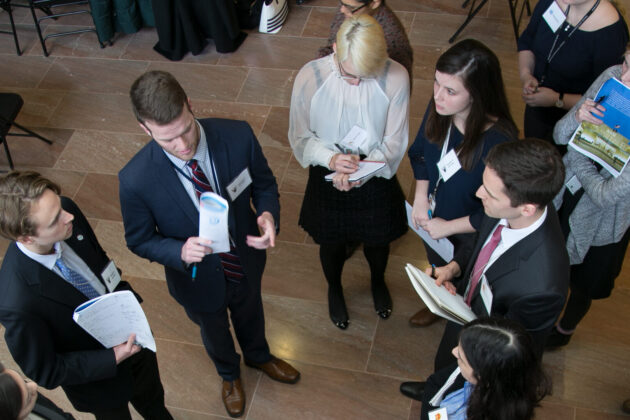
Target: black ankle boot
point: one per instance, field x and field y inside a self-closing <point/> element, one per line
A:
<point x="337" y="307"/>
<point x="382" y="299"/>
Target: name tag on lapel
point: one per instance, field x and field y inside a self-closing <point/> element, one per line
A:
<point x="486" y="294"/>
<point x="238" y="184"/>
<point x="111" y="276"/>
<point x="439" y="414"/>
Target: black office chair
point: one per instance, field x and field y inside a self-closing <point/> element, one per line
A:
<point x="10" y="106"/>
<point x="48" y="6"/>
<point x="6" y="6"/>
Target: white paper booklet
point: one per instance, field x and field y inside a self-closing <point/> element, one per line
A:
<point x="366" y="168"/>
<point x="439" y="300"/>
<point x="113" y="317"/>
<point x="213" y="221"/>
<point x="443" y="246"/>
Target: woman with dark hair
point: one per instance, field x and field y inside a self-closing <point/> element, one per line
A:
<point x="502" y="375"/>
<point x="466" y="117"/>
<point x="20" y="400"/>
<point x="594" y="213"/>
<point x="558" y="64"/>
<point x="398" y="47"/>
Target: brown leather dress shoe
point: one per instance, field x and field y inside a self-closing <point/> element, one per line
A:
<point x="423" y="318"/>
<point x="233" y="397"/>
<point x="278" y="370"/>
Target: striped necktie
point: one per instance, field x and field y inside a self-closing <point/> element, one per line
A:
<point x="77" y="280"/>
<point x="229" y="260"/>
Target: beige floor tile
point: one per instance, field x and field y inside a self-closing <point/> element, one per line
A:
<point x="266" y="51"/>
<point x="38" y="106"/>
<point x="356" y="395"/>
<point x="424" y="59"/>
<point x="295" y="178"/>
<point x="554" y="412"/>
<point x="255" y="115"/>
<point x="69" y="181"/>
<point x="290" y="204"/>
<point x="31" y="151"/>
<point x="268" y="86"/>
<point x="72" y="74"/>
<point x="599" y="415"/>
<point x="276" y="128"/>
<point x="294" y="25"/>
<point x="433" y="6"/>
<point x="98" y="197"/>
<point x="210" y="83"/>
<point x="318" y="24"/>
<point x="32" y="70"/>
<point x="77" y="45"/>
<point x="95" y="111"/>
<point x="103" y="152"/>
<point x="111" y="236"/>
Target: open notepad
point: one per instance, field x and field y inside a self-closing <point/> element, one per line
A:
<point x="438" y="299"/>
<point x="113" y="317"/>
<point x="366" y="168"/>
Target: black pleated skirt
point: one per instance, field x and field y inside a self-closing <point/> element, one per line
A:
<point x="373" y="213"/>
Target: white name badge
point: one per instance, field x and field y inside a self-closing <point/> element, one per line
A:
<point x="449" y="165"/>
<point x="439" y="414"/>
<point x="486" y="294"/>
<point x="554" y="16"/>
<point x="111" y="276"/>
<point x="574" y="185"/>
<point x="242" y="181"/>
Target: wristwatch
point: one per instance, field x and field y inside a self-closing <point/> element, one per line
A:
<point x="560" y="103"/>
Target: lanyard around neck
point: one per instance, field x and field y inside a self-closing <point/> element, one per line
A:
<point x="553" y="51"/>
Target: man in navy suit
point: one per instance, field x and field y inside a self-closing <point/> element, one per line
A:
<point x="54" y="265"/>
<point x="159" y="196"/>
<point x="525" y="275"/>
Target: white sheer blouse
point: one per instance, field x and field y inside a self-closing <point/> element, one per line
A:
<point x="324" y="108"/>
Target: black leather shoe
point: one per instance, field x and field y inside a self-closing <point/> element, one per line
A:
<point x="337" y="308"/>
<point x="556" y="339"/>
<point x="413" y="390"/>
<point x="382" y="299"/>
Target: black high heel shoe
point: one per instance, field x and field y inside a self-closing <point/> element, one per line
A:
<point x="382" y="299"/>
<point x="337" y="308"/>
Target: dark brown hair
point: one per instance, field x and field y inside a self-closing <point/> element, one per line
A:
<point x="480" y="71"/>
<point x="18" y="191"/>
<point x="158" y="97"/>
<point x="531" y="170"/>
<point x="11" y="398"/>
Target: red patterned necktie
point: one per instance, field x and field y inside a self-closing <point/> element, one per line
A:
<point x="230" y="260"/>
<point x="482" y="261"/>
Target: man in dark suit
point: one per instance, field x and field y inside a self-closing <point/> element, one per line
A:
<point x="54" y="265"/>
<point x="159" y="196"/>
<point x="517" y="266"/>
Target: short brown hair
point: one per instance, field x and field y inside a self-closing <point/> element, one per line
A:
<point x="531" y="170"/>
<point x="18" y="191"/>
<point x="158" y="97"/>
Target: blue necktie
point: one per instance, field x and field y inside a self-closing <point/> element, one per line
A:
<point x="76" y="279"/>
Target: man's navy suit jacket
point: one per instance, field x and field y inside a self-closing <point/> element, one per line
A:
<point x="159" y="215"/>
<point x="36" y="307"/>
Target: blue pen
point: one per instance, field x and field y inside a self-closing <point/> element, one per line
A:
<point x="430" y="214"/>
<point x="194" y="271"/>
<point x="433" y="270"/>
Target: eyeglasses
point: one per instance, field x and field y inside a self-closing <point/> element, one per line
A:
<point x="352" y="9"/>
<point x="348" y="76"/>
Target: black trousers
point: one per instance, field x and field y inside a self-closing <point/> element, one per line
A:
<point x="244" y="302"/>
<point x="148" y="393"/>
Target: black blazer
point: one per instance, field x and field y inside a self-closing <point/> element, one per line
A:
<point x="36" y="307"/>
<point x="159" y="215"/>
<point x="529" y="282"/>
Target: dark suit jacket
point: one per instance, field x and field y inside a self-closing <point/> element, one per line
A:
<point x="159" y="215"/>
<point x="36" y="307"/>
<point x="47" y="409"/>
<point x="529" y="282"/>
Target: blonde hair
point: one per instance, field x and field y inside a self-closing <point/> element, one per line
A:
<point x="361" y="39"/>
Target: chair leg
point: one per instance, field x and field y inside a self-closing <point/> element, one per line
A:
<point x="6" y="149"/>
<point x="32" y="133"/>
<point x="39" y="30"/>
<point x="15" y="38"/>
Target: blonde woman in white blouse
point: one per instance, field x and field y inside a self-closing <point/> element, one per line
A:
<point x="357" y="85"/>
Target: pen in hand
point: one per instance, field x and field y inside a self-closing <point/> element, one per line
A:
<point x="433" y="270"/>
<point x="343" y="150"/>
<point x="194" y="271"/>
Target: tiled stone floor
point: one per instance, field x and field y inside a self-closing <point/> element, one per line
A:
<point x="78" y="97"/>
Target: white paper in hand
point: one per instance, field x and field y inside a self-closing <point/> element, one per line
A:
<point x="113" y="317"/>
<point x="355" y="140"/>
<point x="213" y="221"/>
